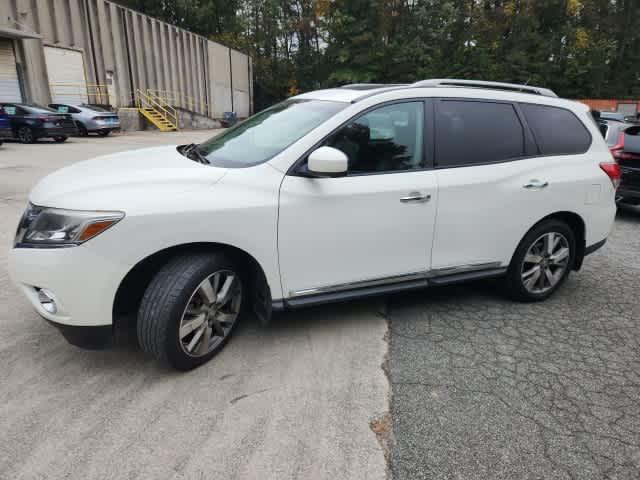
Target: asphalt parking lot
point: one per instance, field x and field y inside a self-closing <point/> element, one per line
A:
<point x="478" y="387"/>
<point x="484" y="388"/>
<point x="294" y="400"/>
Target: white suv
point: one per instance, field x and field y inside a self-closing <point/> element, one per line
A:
<point x="331" y="195"/>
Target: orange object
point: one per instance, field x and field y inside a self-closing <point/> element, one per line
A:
<point x="94" y="229"/>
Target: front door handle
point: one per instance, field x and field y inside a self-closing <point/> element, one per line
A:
<point x="416" y="197"/>
<point x="535" y="185"/>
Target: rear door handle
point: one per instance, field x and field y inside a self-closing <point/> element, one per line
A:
<point x="416" y="197"/>
<point x="535" y="185"/>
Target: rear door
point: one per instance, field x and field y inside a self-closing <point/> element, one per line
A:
<point x="495" y="182"/>
<point x="66" y="75"/>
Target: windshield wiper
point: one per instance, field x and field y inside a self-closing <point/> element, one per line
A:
<point x="192" y="152"/>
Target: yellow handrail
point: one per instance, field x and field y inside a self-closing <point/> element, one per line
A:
<point x="147" y="99"/>
<point x="92" y="92"/>
<point x="182" y="100"/>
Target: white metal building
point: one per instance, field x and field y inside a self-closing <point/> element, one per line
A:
<point x="97" y="51"/>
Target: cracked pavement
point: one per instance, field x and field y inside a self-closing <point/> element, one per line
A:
<point x="484" y="388"/>
<point x="290" y="401"/>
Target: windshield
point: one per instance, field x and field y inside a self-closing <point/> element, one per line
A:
<point x="267" y="133"/>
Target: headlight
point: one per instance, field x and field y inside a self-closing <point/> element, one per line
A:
<point x="50" y="227"/>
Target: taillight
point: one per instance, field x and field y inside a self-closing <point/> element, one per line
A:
<point x="612" y="169"/>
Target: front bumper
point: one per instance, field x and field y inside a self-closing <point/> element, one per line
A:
<point x="83" y="283"/>
<point x="6" y="133"/>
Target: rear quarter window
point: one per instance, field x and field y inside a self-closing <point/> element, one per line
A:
<point x="557" y="130"/>
<point x="471" y="132"/>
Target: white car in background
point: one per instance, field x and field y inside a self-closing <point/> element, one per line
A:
<point x="328" y="196"/>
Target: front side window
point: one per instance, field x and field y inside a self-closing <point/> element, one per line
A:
<point x="476" y="132"/>
<point x="557" y="130"/>
<point x="267" y="133"/>
<point x="388" y="139"/>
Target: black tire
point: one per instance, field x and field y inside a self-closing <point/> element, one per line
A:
<point x="514" y="282"/>
<point x="60" y="139"/>
<point x="104" y="133"/>
<point x="165" y="301"/>
<point x="25" y="135"/>
<point x="82" y="130"/>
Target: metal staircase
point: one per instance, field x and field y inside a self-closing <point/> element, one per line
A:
<point x="157" y="110"/>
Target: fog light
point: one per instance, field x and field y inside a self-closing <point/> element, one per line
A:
<point x="46" y="299"/>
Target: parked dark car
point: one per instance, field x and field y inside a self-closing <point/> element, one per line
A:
<point x="5" y="128"/>
<point x="90" y="118"/>
<point x="627" y="154"/>
<point x="32" y="122"/>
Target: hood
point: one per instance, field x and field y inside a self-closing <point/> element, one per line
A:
<point x="119" y="180"/>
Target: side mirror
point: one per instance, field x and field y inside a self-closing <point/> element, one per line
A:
<point x="328" y="162"/>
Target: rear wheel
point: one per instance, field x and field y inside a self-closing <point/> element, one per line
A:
<point x="25" y="135"/>
<point x="542" y="261"/>
<point x="190" y="309"/>
<point x="60" y="139"/>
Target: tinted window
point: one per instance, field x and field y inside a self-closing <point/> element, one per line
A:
<point x="557" y="131"/>
<point x="37" y="109"/>
<point x="469" y="132"/>
<point x="387" y="139"/>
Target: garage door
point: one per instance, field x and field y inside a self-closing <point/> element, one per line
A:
<point x="66" y="75"/>
<point x="9" y="84"/>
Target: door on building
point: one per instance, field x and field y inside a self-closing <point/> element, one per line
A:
<point x="67" y="80"/>
<point x="9" y="80"/>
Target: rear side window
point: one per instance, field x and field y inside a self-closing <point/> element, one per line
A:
<point x="474" y="132"/>
<point x="557" y="130"/>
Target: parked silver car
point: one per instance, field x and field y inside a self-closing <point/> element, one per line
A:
<point x="611" y="129"/>
<point x="90" y="118"/>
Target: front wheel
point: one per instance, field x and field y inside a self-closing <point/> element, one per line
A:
<point x="82" y="130"/>
<point x="542" y="261"/>
<point x="25" y="135"/>
<point x="104" y="133"/>
<point x="190" y="309"/>
<point x="60" y="139"/>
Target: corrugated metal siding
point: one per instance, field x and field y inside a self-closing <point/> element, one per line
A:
<point x="220" y="85"/>
<point x="139" y="51"/>
<point x="9" y="83"/>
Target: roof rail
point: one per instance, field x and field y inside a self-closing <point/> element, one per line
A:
<point x="512" y="87"/>
<point x="370" y="86"/>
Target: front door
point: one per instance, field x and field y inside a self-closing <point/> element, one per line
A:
<point x="374" y="224"/>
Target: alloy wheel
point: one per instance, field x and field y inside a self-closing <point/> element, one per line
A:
<point x="211" y="313"/>
<point x="545" y="263"/>
<point x="25" y="135"/>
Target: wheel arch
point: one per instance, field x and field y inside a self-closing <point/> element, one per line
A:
<point x="132" y="287"/>
<point x="577" y="225"/>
